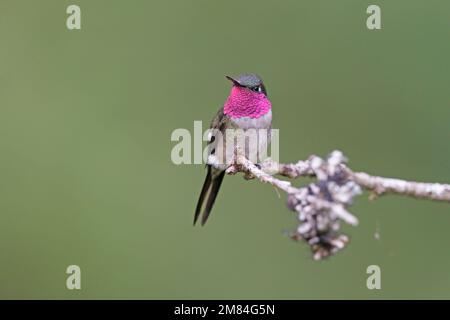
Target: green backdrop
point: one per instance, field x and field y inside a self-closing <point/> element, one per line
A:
<point x="85" y="124"/>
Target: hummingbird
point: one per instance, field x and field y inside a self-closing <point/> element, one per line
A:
<point x="247" y="107"/>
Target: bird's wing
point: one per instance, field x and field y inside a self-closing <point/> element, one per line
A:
<point x="214" y="175"/>
<point x="219" y="122"/>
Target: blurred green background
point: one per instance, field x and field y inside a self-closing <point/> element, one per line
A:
<point x="85" y="124"/>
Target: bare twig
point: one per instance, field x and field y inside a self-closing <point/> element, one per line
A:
<point x="380" y="185"/>
<point x="321" y="205"/>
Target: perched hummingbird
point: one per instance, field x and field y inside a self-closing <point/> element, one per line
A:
<point x="247" y="107"/>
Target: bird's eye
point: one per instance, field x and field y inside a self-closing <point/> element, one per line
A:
<point x="257" y="89"/>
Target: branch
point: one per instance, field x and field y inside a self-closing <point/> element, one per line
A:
<point x="322" y="205"/>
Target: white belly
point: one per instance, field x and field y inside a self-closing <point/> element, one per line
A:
<point x="251" y="135"/>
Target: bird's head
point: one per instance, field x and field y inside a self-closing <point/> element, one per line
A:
<point x="249" y="81"/>
<point x="248" y="97"/>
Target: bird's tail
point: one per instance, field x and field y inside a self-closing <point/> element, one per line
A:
<point x="209" y="192"/>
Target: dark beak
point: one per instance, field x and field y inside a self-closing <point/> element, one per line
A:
<point x="235" y="82"/>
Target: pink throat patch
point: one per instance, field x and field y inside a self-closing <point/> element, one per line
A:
<point x="243" y="102"/>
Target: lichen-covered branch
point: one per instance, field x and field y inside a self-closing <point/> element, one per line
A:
<point x="323" y="204"/>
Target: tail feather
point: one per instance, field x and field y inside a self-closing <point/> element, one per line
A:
<point x="209" y="192"/>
